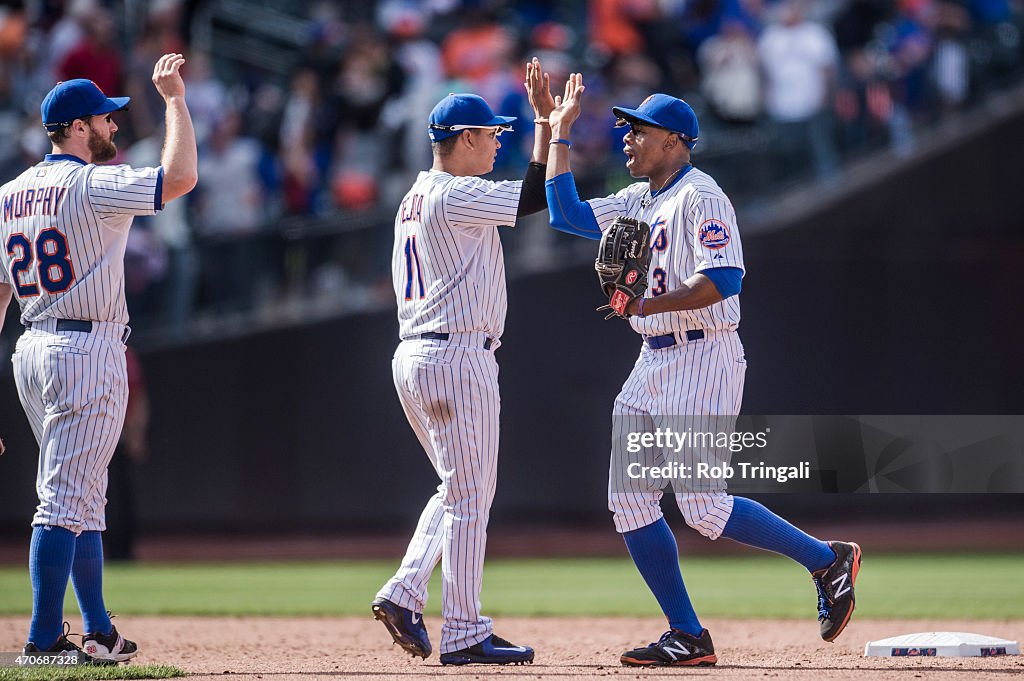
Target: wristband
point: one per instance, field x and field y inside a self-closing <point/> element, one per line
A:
<point x="561" y="141"/>
<point x="541" y="121"/>
<point x="640" y="311"/>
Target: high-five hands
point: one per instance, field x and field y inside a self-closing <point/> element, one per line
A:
<point x="538" y="91"/>
<point x="567" y="106"/>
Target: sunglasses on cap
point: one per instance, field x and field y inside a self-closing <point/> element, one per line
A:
<point x="634" y="125"/>
<point x="498" y="129"/>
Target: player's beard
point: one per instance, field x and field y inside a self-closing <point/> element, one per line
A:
<point x="102" y="150"/>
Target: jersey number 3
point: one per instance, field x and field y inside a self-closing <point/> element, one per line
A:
<point x="412" y="266"/>
<point x="661" y="277"/>
<point x="56" y="273"/>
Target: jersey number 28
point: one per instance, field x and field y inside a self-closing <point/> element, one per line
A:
<point x="56" y="273"/>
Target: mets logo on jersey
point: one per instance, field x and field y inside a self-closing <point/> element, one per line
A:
<point x="714" y="234"/>
<point x="659" y="234"/>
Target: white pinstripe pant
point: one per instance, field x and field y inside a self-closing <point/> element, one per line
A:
<point x="73" y="386"/>
<point x="666" y="387"/>
<point x="449" y="391"/>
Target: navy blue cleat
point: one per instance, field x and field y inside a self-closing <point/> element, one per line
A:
<point x="405" y="626"/>
<point x="492" y="650"/>
<point x="835" y="589"/>
<point x="675" y="648"/>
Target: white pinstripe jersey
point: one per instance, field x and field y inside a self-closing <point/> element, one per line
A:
<point x="447" y="265"/>
<point x="693" y="228"/>
<point x="63" y="230"/>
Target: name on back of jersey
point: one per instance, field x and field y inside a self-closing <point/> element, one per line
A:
<point x="29" y="202"/>
<point x="412" y="208"/>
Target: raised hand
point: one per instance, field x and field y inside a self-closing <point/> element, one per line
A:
<point x="167" y="76"/>
<point x="538" y="89"/>
<point x="567" y="106"/>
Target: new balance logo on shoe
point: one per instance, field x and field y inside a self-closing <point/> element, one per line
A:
<point x="842" y="587"/>
<point x="679" y="648"/>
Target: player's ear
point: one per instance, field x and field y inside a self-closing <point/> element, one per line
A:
<point x="670" y="142"/>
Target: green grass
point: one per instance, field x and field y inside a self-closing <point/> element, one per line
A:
<point x="912" y="586"/>
<point x="145" y="671"/>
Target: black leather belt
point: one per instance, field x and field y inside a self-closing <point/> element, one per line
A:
<point x="83" y="325"/>
<point x="669" y="339"/>
<point x="435" y="335"/>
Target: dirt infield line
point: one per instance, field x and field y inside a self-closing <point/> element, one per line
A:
<point x="567" y="648"/>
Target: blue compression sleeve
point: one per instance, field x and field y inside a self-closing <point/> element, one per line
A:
<point x="567" y="213"/>
<point x="728" y="280"/>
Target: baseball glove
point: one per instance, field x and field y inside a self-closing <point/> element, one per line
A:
<point x="622" y="263"/>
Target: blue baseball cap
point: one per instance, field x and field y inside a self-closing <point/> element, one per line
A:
<point x="663" y="111"/>
<point x="456" y="113"/>
<point x="76" y="98"/>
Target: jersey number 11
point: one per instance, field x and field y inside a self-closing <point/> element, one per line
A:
<point x="412" y="262"/>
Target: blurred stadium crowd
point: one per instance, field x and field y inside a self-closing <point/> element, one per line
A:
<point x="310" y="116"/>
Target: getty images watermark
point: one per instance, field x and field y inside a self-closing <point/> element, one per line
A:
<point x="861" y="454"/>
<point x="687" y="455"/>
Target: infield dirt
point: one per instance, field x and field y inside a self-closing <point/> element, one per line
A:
<point x="567" y="648"/>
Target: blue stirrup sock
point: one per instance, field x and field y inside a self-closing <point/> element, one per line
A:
<point x="49" y="564"/>
<point x="754" y="525"/>
<point x="87" y="576"/>
<point x="656" y="555"/>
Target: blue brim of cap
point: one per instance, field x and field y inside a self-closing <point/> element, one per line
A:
<point x="622" y="112"/>
<point x="111" y="104"/>
<point x="502" y="120"/>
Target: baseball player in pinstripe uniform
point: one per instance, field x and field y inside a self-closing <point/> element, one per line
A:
<point x="691" y="362"/>
<point x="62" y="239"/>
<point x="449" y="279"/>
